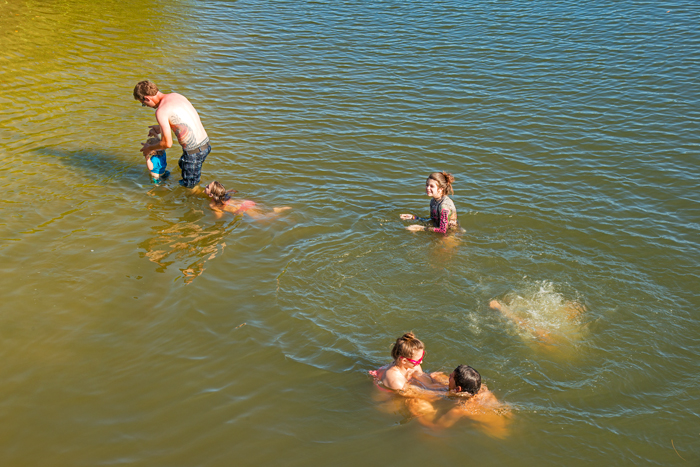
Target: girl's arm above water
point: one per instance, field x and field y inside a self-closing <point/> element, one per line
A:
<point x="442" y="228"/>
<point x="444" y="222"/>
<point x="411" y="217"/>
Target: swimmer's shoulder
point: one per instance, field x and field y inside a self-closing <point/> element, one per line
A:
<point x="393" y="379"/>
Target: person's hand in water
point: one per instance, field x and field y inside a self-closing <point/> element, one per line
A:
<point x="415" y="227"/>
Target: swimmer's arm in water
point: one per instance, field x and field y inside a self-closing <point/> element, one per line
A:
<point x="411" y="217"/>
<point x="440" y="378"/>
<point x="444" y="222"/>
<point x="423" y="410"/>
<point x="442" y="228"/>
<point x="492" y="421"/>
<point x="217" y="210"/>
<point x="436" y="381"/>
<point x="422" y="378"/>
<point x="411" y="390"/>
<point x="541" y="334"/>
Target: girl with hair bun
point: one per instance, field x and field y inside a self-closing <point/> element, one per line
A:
<point x="220" y="201"/>
<point x="443" y="213"/>
<point x="408" y="353"/>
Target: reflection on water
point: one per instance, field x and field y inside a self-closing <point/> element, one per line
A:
<point x="186" y="244"/>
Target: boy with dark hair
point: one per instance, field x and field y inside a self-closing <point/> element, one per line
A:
<point x="474" y="401"/>
<point x="465" y="379"/>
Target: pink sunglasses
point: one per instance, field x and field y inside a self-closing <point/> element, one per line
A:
<point x="417" y="362"/>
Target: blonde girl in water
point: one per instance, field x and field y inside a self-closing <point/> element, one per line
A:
<point x="221" y="202"/>
<point x="408" y="353"/>
<point x="443" y="213"/>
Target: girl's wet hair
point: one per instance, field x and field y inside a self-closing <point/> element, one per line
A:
<point x="468" y="379"/>
<point x="406" y="345"/>
<point x="218" y="192"/>
<point x="444" y="181"/>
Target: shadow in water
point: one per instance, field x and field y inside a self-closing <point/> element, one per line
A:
<point x="96" y="164"/>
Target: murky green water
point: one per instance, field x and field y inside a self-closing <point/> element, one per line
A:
<point x="138" y="329"/>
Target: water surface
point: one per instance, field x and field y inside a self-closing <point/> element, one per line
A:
<point x="138" y="328"/>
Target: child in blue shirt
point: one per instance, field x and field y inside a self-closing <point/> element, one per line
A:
<point x="156" y="163"/>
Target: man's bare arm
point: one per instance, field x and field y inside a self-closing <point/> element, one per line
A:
<point x="167" y="139"/>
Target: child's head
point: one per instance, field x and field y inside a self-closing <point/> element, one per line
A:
<point x="406" y="347"/>
<point x="153" y="140"/>
<point x="216" y="192"/>
<point x="465" y="379"/>
<point x="443" y="180"/>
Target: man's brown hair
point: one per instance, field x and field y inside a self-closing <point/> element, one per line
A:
<point x="143" y="89"/>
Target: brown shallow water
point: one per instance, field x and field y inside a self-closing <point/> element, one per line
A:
<point x="137" y="328"/>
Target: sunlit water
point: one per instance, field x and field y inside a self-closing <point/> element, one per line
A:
<point x="138" y="328"/>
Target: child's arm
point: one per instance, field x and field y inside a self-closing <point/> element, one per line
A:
<point x="411" y="217"/>
<point x="444" y="222"/>
<point x="217" y="212"/>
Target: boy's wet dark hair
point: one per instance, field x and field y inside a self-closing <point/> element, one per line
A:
<point x="468" y="379"/>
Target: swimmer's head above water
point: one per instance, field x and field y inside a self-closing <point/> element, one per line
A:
<point x="406" y="347"/>
<point x="442" y="181"/>
<point x="216" y="192"/>
<point x="465" y="379"/>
